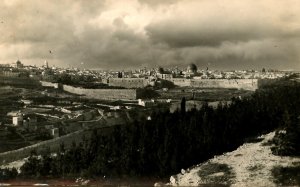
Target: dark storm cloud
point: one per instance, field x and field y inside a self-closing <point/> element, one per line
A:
<point x="65" y="29"/>
<point x="232" y="35"/>
<point x="37" y="21"/>
<point x="136" y="33"/>
<point x="213" y="31"/>
<point x="177" y="33"/>
<point x="243" y="55"/>
<point x="102" y="48"/>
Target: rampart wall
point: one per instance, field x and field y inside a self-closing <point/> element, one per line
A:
<point x="246" y="84"/>
<point x="128" y="82"/>
<point x="9" y="74"/>
<point x="182" y="82"/>
<point x="103" y="94"/>
<point x="18" y="81"/>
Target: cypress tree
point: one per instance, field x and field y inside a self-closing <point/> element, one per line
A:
<point x="183" y="106"/>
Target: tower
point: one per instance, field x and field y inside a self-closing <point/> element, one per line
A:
<point x="46" y="64"/>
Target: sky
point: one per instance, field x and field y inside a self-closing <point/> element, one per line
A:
<point x="124" y="34"/>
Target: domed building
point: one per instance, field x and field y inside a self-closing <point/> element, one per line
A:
<point x="17" y="64"/>
<point x="192" y="68"/>
<point x="159" y="70"/>
<point x="162" y="74"/>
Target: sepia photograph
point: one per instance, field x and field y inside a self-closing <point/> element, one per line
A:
<point x="150" y="93"/>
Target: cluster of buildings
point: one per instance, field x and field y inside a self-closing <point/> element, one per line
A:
<point x="30" y="123"/>
<point x="56" y="119"/>
<point x="140" y="77"/>
<point x="45" y="72"/>
<point x="71" y="79"/>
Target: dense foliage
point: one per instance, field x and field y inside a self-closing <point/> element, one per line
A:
<point x="171" y="141"/>
<point x="287" y="176"/>
<point x="7" y="173"/>
<point x="164" y="84"/>
<point x="146" y="93"/>
<point x="287" y="138"/>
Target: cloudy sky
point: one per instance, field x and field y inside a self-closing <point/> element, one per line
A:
<point x="111" y="34"/>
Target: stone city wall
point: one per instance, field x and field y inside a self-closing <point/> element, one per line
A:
<point x="182" y="82"/>
<point x="9" y="74"/>
<point x="18" y="81"/>
<point x="246" y="84"/>
<point x="103" y="94"/>
<point x="128" y="82"/>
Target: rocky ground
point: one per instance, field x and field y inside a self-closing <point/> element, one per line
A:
<point x="252" y="164"/>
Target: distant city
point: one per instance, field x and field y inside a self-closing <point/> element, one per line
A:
<point x="51" y="73"/>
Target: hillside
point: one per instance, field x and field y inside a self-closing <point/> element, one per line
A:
<point x="252" y="164"/>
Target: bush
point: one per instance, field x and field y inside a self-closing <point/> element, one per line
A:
<point x="287" y="176"/>
<point x="225" y="173"/>
<point x="286" y="141"/>
<point x="6" y="174"/>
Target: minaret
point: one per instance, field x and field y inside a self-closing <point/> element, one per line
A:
<point x="46" y="64"/>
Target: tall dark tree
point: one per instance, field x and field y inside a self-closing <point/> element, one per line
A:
<point x="183" y="106"/>
<point x="31" y="167"/>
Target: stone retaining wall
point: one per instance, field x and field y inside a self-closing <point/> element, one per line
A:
<point x="246" y="84"/>
<point x="103" y="94"/>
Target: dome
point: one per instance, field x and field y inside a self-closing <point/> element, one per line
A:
<point x="192" y="68"/>
<point x="161" y="70"/>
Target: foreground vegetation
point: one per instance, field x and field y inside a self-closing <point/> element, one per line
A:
<point x="287" y="176"/>
<point x="171" y="141"/>
<point x="287" y="138"/>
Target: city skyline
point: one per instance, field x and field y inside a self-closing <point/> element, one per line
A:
<point x="150" y="33"/>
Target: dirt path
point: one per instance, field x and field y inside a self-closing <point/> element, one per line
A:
<point x="249" y="165"/>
